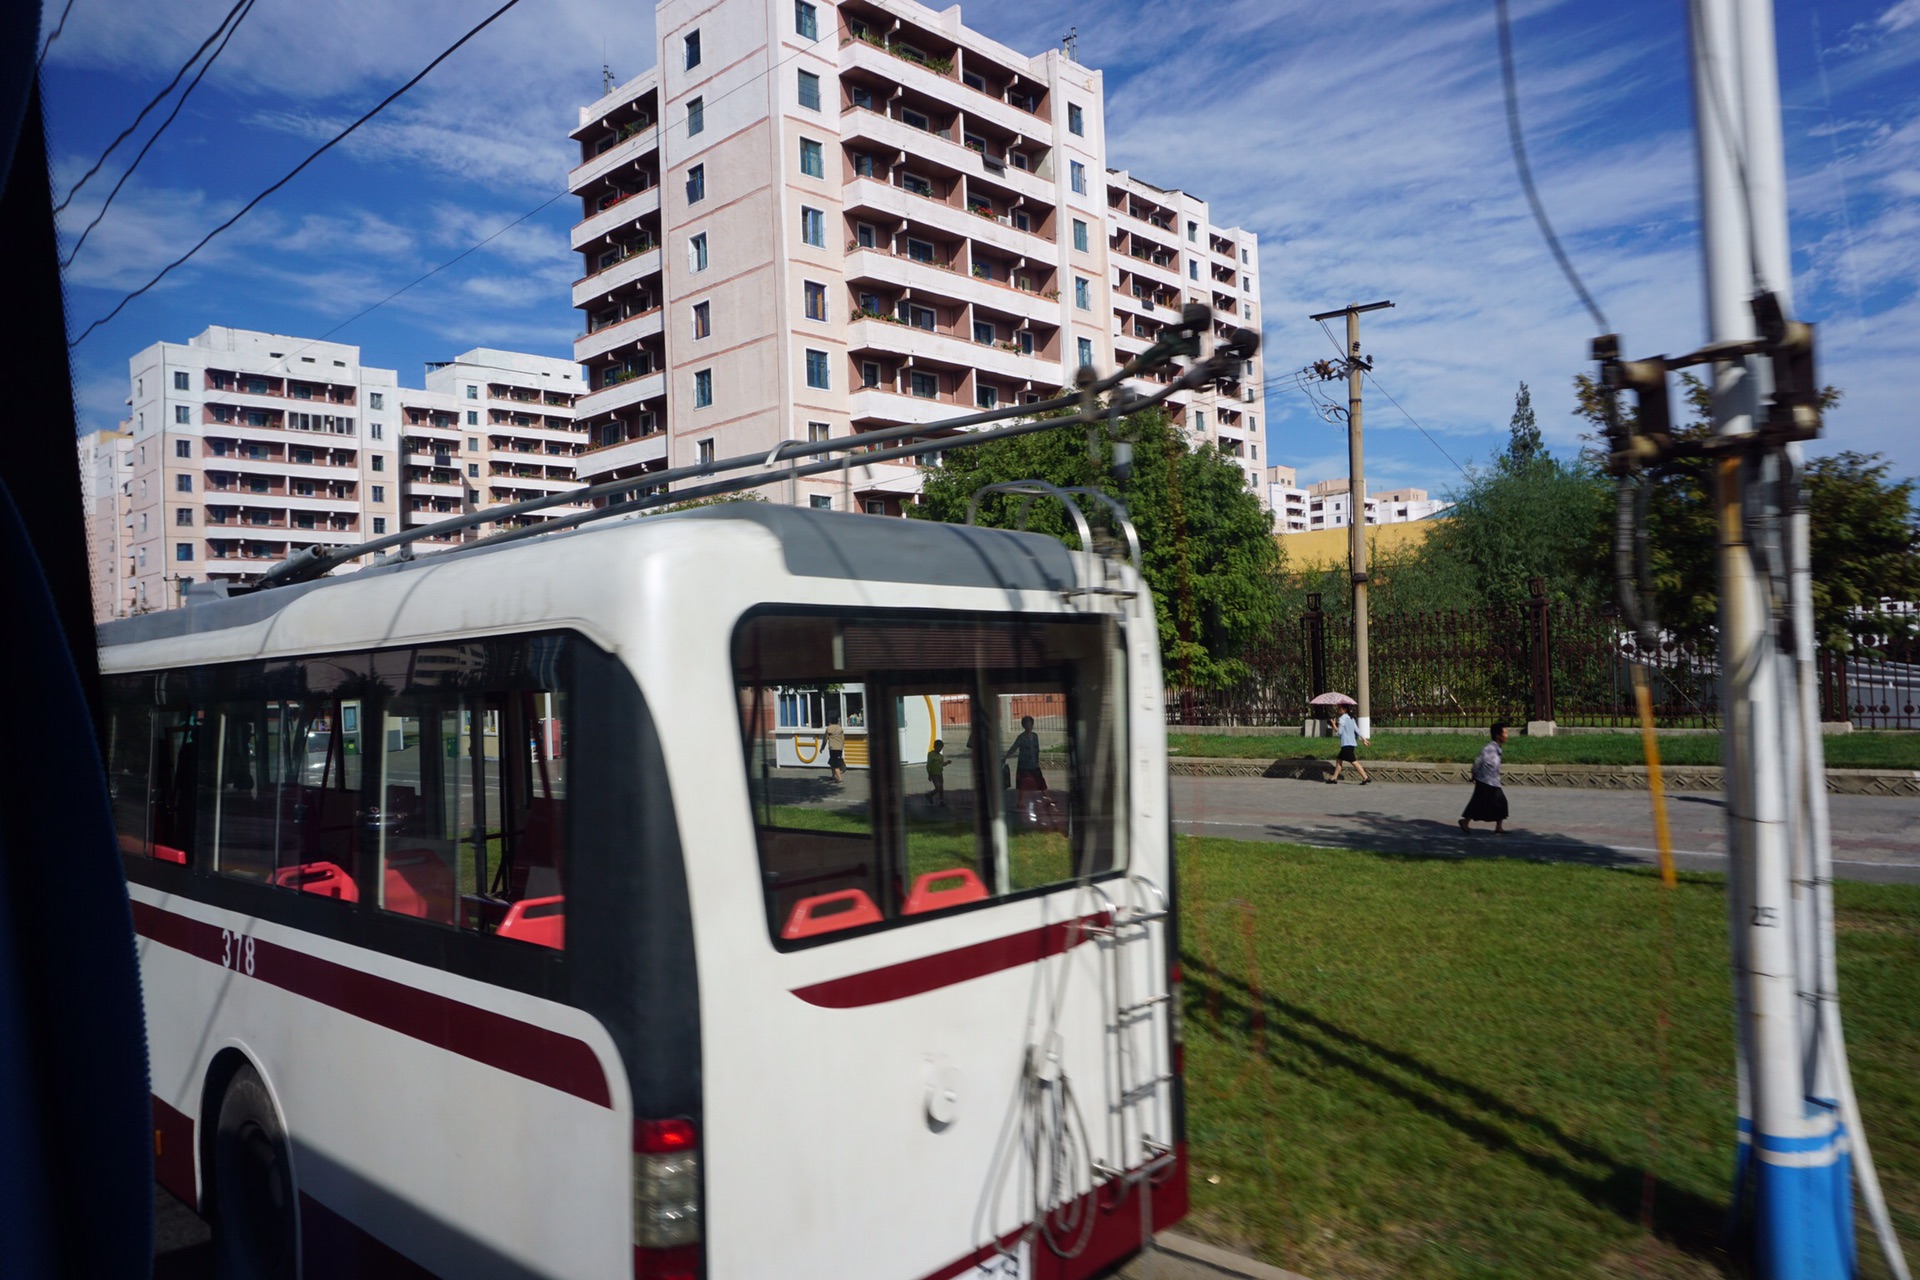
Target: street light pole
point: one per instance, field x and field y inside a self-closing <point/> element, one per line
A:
<point x="1357" y="502"/>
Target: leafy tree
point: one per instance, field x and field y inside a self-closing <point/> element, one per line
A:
<point x="1520" y="520"/>
<point x="1524" y="443"/>
<point x="1207" y="546"/>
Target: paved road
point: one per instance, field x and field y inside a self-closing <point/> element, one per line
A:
<point x="1874" y="837"/>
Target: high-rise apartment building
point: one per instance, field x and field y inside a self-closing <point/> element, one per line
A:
<point x="1330" y="506"/>
<point x="813" y="219"/>
<point x="1286" y="500"/>
<point x="241" y="448"/>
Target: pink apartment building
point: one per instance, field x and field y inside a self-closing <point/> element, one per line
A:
<point x="812" y="219"/>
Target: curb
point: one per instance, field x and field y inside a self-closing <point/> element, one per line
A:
<point x="1198" y="1259"/>
<point x="1593" y="777"/>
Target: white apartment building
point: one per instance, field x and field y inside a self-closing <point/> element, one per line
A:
<point x="812" y="219"/>
<point x="241" y="448"/>
<point x="1330" y="505"/>
<point x="1286" y="500"/>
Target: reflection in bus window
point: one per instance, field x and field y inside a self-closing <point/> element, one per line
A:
<point x="995" y="769"/>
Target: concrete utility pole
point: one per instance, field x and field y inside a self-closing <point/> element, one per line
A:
<point x="1357" y="501"/>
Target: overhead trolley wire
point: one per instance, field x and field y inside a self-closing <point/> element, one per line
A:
<point x="242" y="9"/>
<point x="58" y="27"/>
<point x="324" y="147"/>
<point x="156" y="100"/>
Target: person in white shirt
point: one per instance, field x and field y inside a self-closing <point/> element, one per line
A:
<point x="1350" y="739"/>
<point x="1489" y="802"/>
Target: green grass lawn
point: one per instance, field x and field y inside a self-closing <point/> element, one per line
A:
<point x="1426" y="1067"/>
<point x="1845" y="751"/>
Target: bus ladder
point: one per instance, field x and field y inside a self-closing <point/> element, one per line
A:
<point x="1140" y="1078"/>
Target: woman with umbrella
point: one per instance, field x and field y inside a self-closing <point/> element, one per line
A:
<point x="1350" y="739"/>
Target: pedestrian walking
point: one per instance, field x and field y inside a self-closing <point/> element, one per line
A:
<point x="836" y="747"/>
<point x="937" y="774"/>
<point x="1489" y="802"/>
<point x="1029" y="784"/>
<point x="1350" y="740"/>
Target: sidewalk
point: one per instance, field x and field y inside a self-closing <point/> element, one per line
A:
<point x="1593" y="777"/>
<point x="1178" y="1257"/>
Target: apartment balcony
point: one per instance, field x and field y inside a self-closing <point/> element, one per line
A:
<point x="950" y="349"/>
<point x="894" y="271"/>
<point x="1163" y="311"/>
<point x="605" y="462"/>
<point x="623" y="152"/>
<point x="435" y="489"/>
<point x="877" y="406"/>
<point x="613" y="217"/>
<point x="944" y="88"/>
<point x="591" y="288"/>
<point x="611" y="337"/>
<point x="648" y="386"/>
<point x="899" y="204"/>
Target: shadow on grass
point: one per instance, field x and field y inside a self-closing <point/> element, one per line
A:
<point x="1392" y="834"/>
<point x="1685" y="1220"/>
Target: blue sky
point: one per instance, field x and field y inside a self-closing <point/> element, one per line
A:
<point x="1365" y="144"/>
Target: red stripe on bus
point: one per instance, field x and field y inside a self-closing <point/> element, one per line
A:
<point x="521" y="1048"/>
<point x="930" y="973"/>
<point x="173" y="1152"/>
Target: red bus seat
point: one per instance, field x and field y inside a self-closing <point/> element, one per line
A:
<point x="829" y="913"/>
<point x="328" y="879"/>
<point x="418" y="883"/>
<point x="538" y="920"/>
<point x="938" y="889"/>
<point x="167" y="853"/>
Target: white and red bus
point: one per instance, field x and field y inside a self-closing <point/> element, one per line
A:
<point x="485" y="933"/>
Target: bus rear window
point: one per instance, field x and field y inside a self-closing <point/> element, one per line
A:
<point x="905" y="765"/>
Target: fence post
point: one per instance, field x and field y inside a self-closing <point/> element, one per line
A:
<point x="1314" y="623"/>
<point x="1541" y="722"/>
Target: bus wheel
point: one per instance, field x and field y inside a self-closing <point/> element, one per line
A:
<point x="253" y="1185"/>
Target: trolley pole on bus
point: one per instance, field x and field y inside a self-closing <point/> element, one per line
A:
<point x="1357" y="503"/>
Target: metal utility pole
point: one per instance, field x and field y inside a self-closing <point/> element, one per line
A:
<point x="1357" y="501"/>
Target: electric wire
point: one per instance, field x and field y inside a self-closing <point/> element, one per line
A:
<point x="324" y="147"/>
<point x="1519" y="146"/>
<point x="1416" y="425"/>
<point x="58" y="27"/>
<point x="155" y="101"/>
<point x="243" y="9"/>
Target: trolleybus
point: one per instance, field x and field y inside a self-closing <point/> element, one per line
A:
<point x="487" y="929"/>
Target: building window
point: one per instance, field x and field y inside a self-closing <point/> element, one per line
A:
<point x="702" y="320"/>
<point x="876" y="506"/>
<point x="983" y="332"/>
<point x="813" y="160"/>
<point x="376" y="400"/>
<point x="1076" y="121"/>
<point x="817" y="372"/>
<point x="179" y="380"/>
<point x="1256" y="448"/>
<point x="1080" y="235"/>
<point x="1193" y="231"/>
<point x="696" y="184"/>
<point x="986" y="397"/>
<point x="813" y="227"/>
<point x="924" y="385"/>
<point x="1246" y="310"/>
<point x="473" y="420"/>
<point x="703" y="388"/>
<point x="473" y="442"/>
<point x="183" y="448"/>
<point x="697" y="252"/>
<point x="376" y="432"/>
<point x="916" y="184"/>
<point x="183" y="551"/>
<point x="865" y="236"/>
<point x="818" y="431"/>
<point x="862" y="165"/>
<point x="379" y="462"/>
<point x="1078" y="172"/>
<point x="809" y="90"/>
<point x="869" y="373"/>
<point x="919" y="250"/>
<point x="1026" y="342"/>
<point x="473" y="469"/>
<point x="183" y="483"/>
<point x="696" y="115"/>
<point x="182" y="414"/>
<point x="805" y="20"/>
<point x="1082" y="293"/>
<point x="1253" y="424"/>
<point x="473" y="392"/>
<point x="1199" y="419"/>
<point x="918" y="316"/>
<point x="379" y="493"/>
<point x="915" y="119"/>
<point x="1193" y="270"/>
<point x="692" y="46"/>
<point x="379" y="525"/>
<point x="1086" y="352"/>
<point x="703" y="453"/>
<point x="816" y="300"/>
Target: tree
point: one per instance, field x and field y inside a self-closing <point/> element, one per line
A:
<point x="1207" y="546"/>
<point x="1524" y="443"/>
<point x="1520" y="520"/>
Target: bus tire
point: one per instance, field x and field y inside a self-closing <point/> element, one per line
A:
<point x="253" y="1205"/>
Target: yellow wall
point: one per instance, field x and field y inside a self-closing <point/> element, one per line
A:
<point x="1327" y="548"/>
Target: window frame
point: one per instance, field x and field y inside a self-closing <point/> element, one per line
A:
<point x="813" y="158"/>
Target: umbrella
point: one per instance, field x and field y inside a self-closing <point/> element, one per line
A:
<point x="1333" y="700"/>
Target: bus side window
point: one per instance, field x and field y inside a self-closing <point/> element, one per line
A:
<point x="130" y="772"/>
<point x="152" y="772"/>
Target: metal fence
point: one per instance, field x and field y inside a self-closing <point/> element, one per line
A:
<point x="1536" y="661"/>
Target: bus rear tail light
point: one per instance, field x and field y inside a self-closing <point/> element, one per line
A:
<point x="666" y="1200"/>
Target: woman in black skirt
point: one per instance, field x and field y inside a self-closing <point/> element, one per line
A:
<point x="1489" y="802"/>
